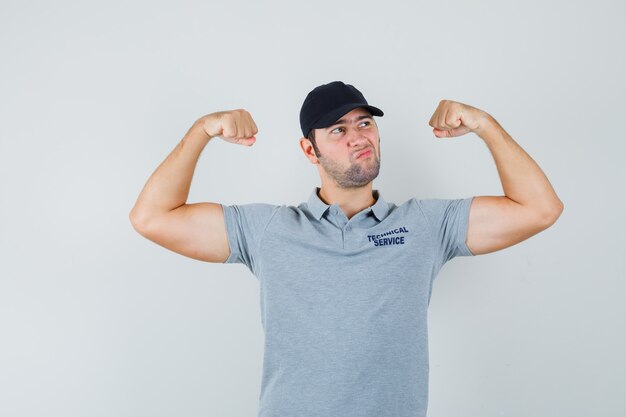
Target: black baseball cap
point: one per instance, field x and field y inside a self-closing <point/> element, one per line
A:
<point x="326" y="103"/>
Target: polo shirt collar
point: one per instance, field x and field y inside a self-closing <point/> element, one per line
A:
<point x="317" y="207"/>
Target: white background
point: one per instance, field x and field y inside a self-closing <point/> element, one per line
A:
<point x="96" y="320"/>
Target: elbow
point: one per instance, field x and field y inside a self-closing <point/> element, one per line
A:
<point x="137" y="220"/>
<point x="134" y="220"/>
<point x="551" y="216"/>
<point x="144" y="220"/>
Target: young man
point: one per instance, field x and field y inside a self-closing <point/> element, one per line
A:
<point x="345" y="277"/>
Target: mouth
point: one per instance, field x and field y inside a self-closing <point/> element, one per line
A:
<point x="364" y="153"/>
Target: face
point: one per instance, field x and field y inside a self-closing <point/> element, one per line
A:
<point x="341" y="144"/>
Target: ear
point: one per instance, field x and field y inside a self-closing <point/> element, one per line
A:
<point x="309" y="151"/>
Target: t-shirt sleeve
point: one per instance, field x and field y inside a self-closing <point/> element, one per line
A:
<point x="245" y="226"/>
<point x="448" y="221"/>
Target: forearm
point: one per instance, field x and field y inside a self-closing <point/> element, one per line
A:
<point x="522" y="179"/>
<point x="168" y="186"/>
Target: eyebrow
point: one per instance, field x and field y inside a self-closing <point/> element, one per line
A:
<point x="343" y="121"/>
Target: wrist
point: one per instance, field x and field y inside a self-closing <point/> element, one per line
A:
<point x="486" y="125"/>
<point x="196" y="136"/>
<point x="199" y="130"/>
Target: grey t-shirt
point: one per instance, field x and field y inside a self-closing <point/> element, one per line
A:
<point x="344" y="302"/>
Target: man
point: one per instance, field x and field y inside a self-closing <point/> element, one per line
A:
<point x="346" y="277"/>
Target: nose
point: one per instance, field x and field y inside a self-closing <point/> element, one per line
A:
<point x="356" y="137"/>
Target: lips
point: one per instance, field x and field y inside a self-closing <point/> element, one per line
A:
<point x="364" y="152"/>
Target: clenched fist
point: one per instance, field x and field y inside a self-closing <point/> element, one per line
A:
<point x="234" y="126"/>
<point x="452" y="118"/>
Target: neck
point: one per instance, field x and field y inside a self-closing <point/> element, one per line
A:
<point x="350" y="200"/>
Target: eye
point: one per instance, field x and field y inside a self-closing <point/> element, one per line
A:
<point x="365" y="122"/>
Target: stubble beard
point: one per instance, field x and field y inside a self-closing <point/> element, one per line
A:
<point x="357" y="175"/>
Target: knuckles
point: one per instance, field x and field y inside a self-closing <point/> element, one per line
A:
<point x="235" y="124"/>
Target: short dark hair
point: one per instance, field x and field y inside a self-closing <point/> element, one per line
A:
<point x="311" y="137"/>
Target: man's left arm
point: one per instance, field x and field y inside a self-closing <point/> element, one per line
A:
<point x="530" y="204"/>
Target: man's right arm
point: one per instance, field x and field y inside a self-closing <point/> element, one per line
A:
<point x="161" y="213"/>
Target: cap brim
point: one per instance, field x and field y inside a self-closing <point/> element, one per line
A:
<point x="331" y="117"/>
